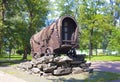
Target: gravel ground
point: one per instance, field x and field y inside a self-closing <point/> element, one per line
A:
<point x="4" y="77"/>
<point x="13" y="71"/>
<point x="34" y="78"/>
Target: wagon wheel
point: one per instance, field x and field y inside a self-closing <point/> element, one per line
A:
<point x="72" y="52"/>
<point x="49" y="51"/>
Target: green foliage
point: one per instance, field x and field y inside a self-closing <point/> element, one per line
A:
<point x="21" y="20"/>
<point x="96" y="23"/>
<point x="64" y="7"/>
<point x="20" y="52"/>
<point x="114" y="43"/>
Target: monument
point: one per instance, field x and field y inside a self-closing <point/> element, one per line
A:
<point x="54" y="50"/>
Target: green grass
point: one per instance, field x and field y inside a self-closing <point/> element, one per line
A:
<point x="104" y="58"/>
<point x="18" y="58"/>
<point x="93" y="58"/>
<point x="14" y="59"/>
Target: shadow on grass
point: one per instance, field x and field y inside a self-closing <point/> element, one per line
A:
<point x="98" y="76"/>
<point x="13" y="57"/>
<point x="5" y="63"/>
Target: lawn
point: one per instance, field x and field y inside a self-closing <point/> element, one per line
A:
<point x="93" y="58"/>
<point x="18" y="58"/>
<point x="14" y="57"/>
<point x="104" y="58"/>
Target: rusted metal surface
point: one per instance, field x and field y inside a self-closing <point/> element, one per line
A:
<point x="58" y="38"/>
<point x="61" y="37"/>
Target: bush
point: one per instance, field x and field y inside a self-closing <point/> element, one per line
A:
<point x="20" y="52"/>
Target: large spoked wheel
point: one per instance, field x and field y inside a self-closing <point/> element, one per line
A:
<point x="72" y="52"/>
<point x="49" y="51"/>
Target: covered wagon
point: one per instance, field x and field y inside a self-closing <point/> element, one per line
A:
<point x="60" y="37"/>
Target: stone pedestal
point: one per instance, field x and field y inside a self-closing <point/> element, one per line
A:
<point x="49" y="65"/>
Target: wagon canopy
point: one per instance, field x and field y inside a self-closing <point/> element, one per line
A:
<point x="68" y="29"/>
<point x="59" y="37"/>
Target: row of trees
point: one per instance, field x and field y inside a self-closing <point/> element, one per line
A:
<point x="99" y="23"/>
<point x="97" y="19"/>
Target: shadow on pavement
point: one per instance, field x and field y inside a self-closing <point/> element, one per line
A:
<point x="97" y="76"/>
<point x="107" y="66"/>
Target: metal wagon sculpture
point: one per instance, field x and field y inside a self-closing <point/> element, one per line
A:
<point x="61" y="37"/>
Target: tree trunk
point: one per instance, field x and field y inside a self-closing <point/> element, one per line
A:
<point x="90" y="49"/>
<point x="10" y="54"/>
<point x="90" y="44"/>
<point x="31" y="31"/>
<point x="0" y="50"/>
<point x="2" y="13"/>
<point x="3" y="9"/>
<point x="96" y="50"/>
<point x="25" y="54"/>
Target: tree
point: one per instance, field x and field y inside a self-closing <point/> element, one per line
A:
<point x="65" y="7"/>
<point x="1" y="11"/>
<point x="22" y="19"/>
<point x="114" y="43"/>
<point x="37" y="12"/>
<point x="94" y="18"/>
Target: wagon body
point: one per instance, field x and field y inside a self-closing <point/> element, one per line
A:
<point x="58" y="38"/>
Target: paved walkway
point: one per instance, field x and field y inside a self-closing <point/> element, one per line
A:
<point x="106" y="66"/>
<point x="9" y="78"/>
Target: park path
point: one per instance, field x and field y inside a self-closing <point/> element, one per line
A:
<point x="108" y="66"/>
<point x="4" y="77"/>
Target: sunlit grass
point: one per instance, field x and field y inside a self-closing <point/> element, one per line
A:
<point x="93" y="58"/>
<point x="104" y="58"/>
